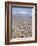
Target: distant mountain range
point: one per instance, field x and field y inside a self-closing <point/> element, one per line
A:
<point x="23" y="17"/>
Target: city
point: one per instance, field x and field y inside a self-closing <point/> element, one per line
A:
<point x="22" y="27"/>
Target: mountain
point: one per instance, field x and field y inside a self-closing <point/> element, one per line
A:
<point x="23" y="17"/>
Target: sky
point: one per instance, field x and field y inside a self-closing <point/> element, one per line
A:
<point x="24" y="11"/>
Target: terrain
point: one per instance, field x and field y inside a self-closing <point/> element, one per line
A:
<point x="21" y="26"/>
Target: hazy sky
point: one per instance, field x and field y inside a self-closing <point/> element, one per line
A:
<point x="17" y="10"/>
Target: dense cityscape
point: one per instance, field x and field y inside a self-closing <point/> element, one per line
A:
<point x="22" y="26"/>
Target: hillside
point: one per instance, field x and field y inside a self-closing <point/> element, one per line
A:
<point x="22" y="26"/>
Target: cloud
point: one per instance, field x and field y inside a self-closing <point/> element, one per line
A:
<point x="23" y="12"/>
